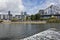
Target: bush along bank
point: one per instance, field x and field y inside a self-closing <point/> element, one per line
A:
<point x="53" y="20"/>
<point x="1" y="21"/>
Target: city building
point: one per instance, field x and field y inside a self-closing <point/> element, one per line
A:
<point x="41" y="12"/>
<point x="9" y="15"/>
<point x="22" y="16"/>
<point x="6" y="16"/>
<point x="18" y="16"/>
<point x="50" y="11"/>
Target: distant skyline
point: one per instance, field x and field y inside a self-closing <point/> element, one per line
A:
<point x="30" y="6"/>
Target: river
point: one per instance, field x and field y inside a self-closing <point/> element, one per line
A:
<point x="20" y="31"/>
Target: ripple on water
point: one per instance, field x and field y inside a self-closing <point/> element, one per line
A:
<point x="50" y="34"/>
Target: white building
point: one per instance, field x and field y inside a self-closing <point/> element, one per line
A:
<point x="5" y="16"/>
<point x="51" y="10"/>
<point x="22" y="16"/>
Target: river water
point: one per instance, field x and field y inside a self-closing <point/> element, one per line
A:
<point x="20" y="31"/>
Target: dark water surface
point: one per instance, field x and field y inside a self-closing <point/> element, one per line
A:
<point x="23" y="30"/>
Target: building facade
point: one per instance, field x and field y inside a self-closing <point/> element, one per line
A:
<point x="41" y="12"/>
<point x="51" y="11"/>
<point x="22" y="16"/>
<point x="6" y="16"/>
<point x="18" y="16"/>
<point x="9" y="16"/>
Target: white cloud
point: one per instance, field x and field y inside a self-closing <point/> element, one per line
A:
<point x="3" y="0"/>
<point x="12" y="5"/>
<point x="3" y="4"/>
<point x="17" y="4"/>
<point x="21" y="6"/>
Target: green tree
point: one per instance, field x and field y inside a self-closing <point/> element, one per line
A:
<point x="28" y="18"/>
<point x="14" y="19"/>
<point x="32" y="17"/>
<point x="37" y="16"/>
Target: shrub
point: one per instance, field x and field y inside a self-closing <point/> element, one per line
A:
<point x="1" y="21"/>
<point x="14" y="20"/>
<point x="53" y="20"/>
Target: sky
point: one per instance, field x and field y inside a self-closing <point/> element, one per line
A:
<point x="30" y="6"/>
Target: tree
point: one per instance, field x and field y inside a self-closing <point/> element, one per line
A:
<point x="14" y="19"/>
<point x="37" y="16"/>
<point x="28" y="18"/>
<point x="32" y="17"/>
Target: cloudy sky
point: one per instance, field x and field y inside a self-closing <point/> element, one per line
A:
<point x="30" y="6"/>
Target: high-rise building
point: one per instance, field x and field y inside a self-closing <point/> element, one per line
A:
<point x="23" y="13"/>
<point x="9" y="15"/>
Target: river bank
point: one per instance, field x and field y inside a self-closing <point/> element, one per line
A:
<point x="26" y="22"/>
